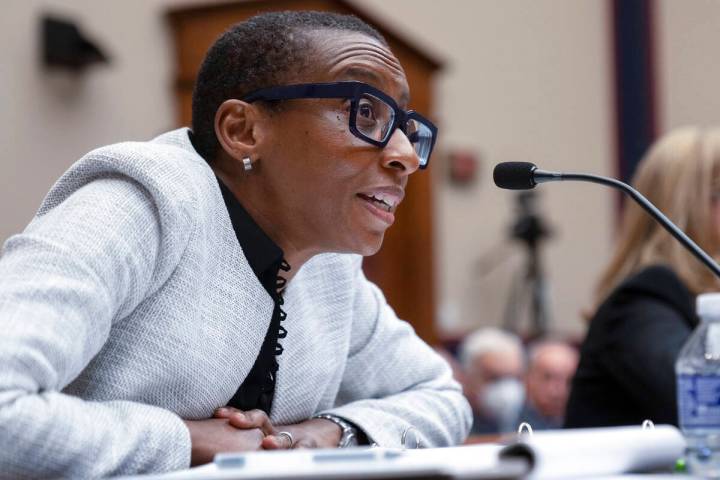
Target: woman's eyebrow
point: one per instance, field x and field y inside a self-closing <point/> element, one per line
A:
<point x="372" y="78"/>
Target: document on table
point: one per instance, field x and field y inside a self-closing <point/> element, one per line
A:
<point x="577" y="453"/>
<point x="554" y="454"/>
<point x="473" y="461"/>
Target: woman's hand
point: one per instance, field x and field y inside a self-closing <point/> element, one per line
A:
<point x="216" y="435"/>
<point x="244" y="420"/>
<point x="312" y="433"/>
<point x="251" y="419"/>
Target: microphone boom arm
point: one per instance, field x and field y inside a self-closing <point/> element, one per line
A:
<point x="541" y="176"/>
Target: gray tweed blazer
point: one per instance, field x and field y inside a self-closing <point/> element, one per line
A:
<point x="127" y="304"/>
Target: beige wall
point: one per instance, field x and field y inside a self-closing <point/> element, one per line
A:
<point x="688" y="69"/>
<point x="49" y="121"/>
<point x="526" y="80"/>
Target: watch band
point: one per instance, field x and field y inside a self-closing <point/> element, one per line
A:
<point x="349" y="436"/>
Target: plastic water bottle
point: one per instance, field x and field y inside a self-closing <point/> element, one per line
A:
<point x="698" y="390"/>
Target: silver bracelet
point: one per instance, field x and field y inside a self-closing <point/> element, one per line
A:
<point x="349" y="437"/>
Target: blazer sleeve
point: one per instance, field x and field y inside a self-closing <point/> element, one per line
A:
<point x="394" y="381"/>
<point x="644" y="339"/>
<point x="77" y="269"/>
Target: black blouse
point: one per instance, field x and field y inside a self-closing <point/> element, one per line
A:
<point x="627" y="361"/>
<point x="266" y="260"/>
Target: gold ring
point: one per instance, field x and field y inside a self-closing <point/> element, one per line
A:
<point x="289" y="437"/>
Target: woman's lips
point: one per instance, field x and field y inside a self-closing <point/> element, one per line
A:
<point x="378" y="209"/>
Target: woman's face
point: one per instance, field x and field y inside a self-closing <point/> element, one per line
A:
<point x="319" y="179"/>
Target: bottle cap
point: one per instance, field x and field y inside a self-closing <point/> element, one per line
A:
<point x="708" y="304"/>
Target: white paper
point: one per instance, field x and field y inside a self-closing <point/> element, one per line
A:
<point x="582" y="453"/>
<point x="604" y="451"/>
<point x="470" y="461"/>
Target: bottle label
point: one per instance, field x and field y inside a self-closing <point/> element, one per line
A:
<point x="699" y="401"/>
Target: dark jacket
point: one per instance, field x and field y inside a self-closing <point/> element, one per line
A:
<point x="627" y="361"/>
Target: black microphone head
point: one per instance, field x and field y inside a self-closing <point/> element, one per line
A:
<point x="514" y="175"/>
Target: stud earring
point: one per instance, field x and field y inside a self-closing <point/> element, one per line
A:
<point x="247" y="164"/>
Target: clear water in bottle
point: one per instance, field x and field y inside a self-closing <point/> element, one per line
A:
<point x="698" y="390"/>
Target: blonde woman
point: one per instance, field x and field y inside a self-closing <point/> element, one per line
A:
<point x="646" y="295"/>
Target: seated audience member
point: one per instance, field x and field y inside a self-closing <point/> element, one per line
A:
<point x="153" y="286"/>
<point x="550" y="367"/>
<point x="646" y="294"/>
<point x="493" y="362"/>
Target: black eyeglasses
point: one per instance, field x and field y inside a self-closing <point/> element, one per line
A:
<point x="374" y="116"/>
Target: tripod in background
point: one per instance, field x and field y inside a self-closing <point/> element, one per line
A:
<point x="529" y="291"/>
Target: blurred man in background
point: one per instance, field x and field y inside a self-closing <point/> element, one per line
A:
<point x="551" y="366"/>
<point x="493" y="362"/>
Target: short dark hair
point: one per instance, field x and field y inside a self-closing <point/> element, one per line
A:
<point x="263" y="51"/>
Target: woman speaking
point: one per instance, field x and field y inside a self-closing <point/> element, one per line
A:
<point x="202" y="292"/>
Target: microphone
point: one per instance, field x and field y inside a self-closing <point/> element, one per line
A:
<point x="521" y="175"/>
<point x="525" y="176"/>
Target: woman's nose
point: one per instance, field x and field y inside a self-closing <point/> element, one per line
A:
<point x="400" y="154"/>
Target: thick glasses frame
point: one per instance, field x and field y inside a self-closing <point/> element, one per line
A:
<point x="354" y="92"/>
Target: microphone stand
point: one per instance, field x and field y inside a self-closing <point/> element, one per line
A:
<point x="541" y="176"/>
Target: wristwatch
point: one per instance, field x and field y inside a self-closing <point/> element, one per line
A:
<point x="349" y="436"/>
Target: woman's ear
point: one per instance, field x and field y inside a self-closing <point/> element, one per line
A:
<point x="236" y="128"/>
